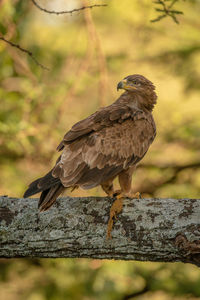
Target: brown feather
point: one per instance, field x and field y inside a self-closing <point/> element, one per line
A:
<point x="48" y="197"/>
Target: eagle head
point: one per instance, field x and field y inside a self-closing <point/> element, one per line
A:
<point x="136" y="82"/>
<point x="140" y="89"/>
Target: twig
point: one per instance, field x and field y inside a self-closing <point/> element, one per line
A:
<point x="171" y="166"/>
<point x="167" y="11"/>
<point x="66" y="11"/>
<point x="24" y="50"/>
<point x="150" y="187"/>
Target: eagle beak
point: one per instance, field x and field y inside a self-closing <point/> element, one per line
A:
<point x="124" y="85"/>
<point x="121" y="85"/>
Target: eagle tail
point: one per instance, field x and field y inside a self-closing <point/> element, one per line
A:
<point x="50" y="187"/>
<point x="49" y="196"/>
<point x="33" y="189"/>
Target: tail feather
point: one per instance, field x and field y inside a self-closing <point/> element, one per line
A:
<point x="41" y="184"/>
<point x="48" y="197"/>
<point x="33" y="189"/>
<point x="50" y="187"/>
<point x="48" y="181"/>
<point x="42" y="197"/>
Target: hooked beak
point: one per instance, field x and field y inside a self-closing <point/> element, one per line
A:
<point x="127" y="86"/>
<point x="121" y="85"/>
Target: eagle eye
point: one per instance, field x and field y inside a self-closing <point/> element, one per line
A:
<point x="136" y="82"/>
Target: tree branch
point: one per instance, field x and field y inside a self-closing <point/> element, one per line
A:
<point x="66" y="11"/>
<point x="177" y="168"/>
<point x="165" y="230"/>
<point x="151" y="186"/>
<point x="24" y="50"/>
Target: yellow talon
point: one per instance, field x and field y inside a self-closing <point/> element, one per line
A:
<point x="138" y="195"/>
<point x="117" y="206"/>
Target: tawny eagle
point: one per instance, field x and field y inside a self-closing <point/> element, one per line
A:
<point x="107" y="144"/>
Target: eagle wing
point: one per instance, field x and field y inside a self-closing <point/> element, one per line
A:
<point x="102" y="145"/>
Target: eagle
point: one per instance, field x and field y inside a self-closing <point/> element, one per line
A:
<point x="107" y="144"/>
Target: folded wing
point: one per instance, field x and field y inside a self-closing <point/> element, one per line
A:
<point x="104" y="144"/>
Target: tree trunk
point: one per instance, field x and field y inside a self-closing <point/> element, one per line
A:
<point x="166" y="230"/>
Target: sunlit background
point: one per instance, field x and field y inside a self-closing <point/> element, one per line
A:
<point x="87" y="54"/>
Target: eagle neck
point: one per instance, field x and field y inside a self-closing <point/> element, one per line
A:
<point x="138" y="100"/>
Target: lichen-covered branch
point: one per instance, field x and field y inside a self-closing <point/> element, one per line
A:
<point x="166" y="230"/>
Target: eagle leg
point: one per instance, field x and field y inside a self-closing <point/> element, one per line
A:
<point x="108" y="188"/>
<point x="125" y="178"/>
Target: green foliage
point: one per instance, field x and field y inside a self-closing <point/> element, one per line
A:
<point x="92" y="279"/>
<point x="86" y="61"/>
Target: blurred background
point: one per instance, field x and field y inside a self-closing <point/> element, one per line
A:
<point x="87" y="54"/>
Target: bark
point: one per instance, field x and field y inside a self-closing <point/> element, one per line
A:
<point x="166" y="230"/>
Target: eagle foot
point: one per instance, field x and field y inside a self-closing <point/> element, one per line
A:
<point x="118" y="194"/>
<point x="133" y="195"/>
<point x="117" y="206"/>
<point x="115" y="209"/>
